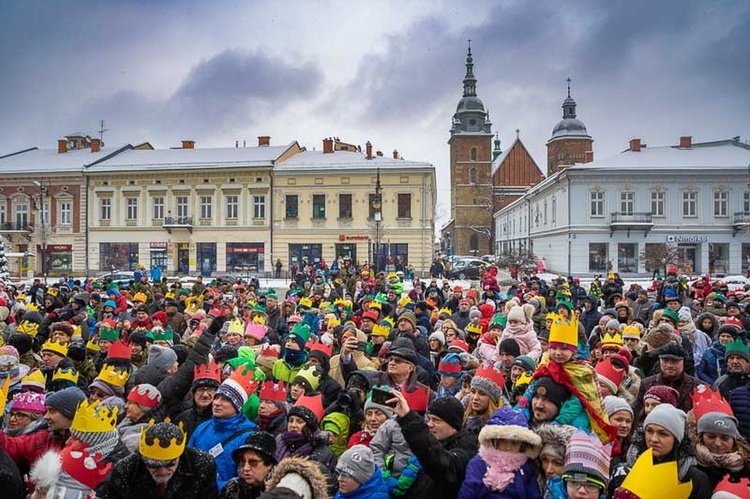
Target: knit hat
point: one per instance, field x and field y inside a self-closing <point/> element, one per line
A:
<point x="450" y="365"/>
<point x="586" y="454"/>
<point x="669" y="417"/>
<point x="517" y="314"/>
<point x="438" y="335"/>
<point x="554" y="392"/>
<point x="225" y="353"/>
<point x="22" y="342"/>
<point x="671" y="351"/>
<point x="408" y="316"/>
<point x="369" y="404"/>
<point x="160" y="316"/>
<point x="613" y="324"/>
<point x="146" y="396"/>
<point x="65" y="401"/>
<point x="737" y="347"/>
<point x="238" y="387"/>
<point x="474" y="312"/>
<point x="449" y="409"/>
<point x="525" y="362"/>
<point x="614" y="404"/>
<point x="162" y="358"/>
<point x="511" y="424"/>
<point x="684" y="315"/>
<point x="671" y="315"/>
<point x="489" y="380"/>
<point x="259" y="441"/>
<point x="554" y="439"/>
<point x="509" y="346"/>
<point x="663" y="394"/>
<point x="718" y="422"/>
<point x="357" y="462"/>
<point x="138" y="338"/>
<point x="28" y="402"/>
<point x="300" y="334"/>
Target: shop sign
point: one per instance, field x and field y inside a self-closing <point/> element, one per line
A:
<point x="161" y="246"/>
<point x="687" y="239"/>
<point x="54" y="248"/>
<point x="354" y="237"/>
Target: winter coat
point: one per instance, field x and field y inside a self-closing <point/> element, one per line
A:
<point x="712" y="365"/>
<point x="191" y="418"/>
<point x="739" y="399"/>
<point x="340" y="370"/>
<point x="195" y="477"/>
<point x="526" y="339"/>
<point x="642" y="310"/>
<point x="444" y="462"/>
<point x="390" y="440"/>
<point x="684" y="386"/>
<point x="11" y="482"/>
<point x="590" y="318"/>
<point x="523" y="486"/>
<point x="236" y="488"/>
<point x="130" y="432"/>
<point x="309" y="470"/>
<point x="728" y="382"/>
<point x="215" y="431"/>
<point x="374" y="488"/>
<point x="26" y="449"/>
<point x="283" y="371"/>
<point x="319" y="453"/>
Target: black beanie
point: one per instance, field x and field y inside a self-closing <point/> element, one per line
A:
<point x="556" y="393"/>
<point x="449" y="409"/>
<point x="77" y="350"/>
<point x="21" y="342"/>
<point x="509" y="345"/>
<point x="225" y="353"/>
<point x="138" y="338"/>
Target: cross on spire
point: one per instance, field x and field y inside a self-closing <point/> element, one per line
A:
<point x="569" y="80"/>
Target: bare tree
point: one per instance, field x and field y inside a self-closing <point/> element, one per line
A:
<point x="657" y="256"/>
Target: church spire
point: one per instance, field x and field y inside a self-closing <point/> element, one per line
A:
<point x="569" y="105"/>
<point x="470" y="81"/>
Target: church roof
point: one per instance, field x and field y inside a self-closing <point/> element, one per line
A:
<point x="516" y="166"/>
<point x="569" y="127"/>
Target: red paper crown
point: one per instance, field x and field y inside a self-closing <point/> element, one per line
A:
<point x="207" y="371"/>
<point x="417" y="399"/>
<point x="606" y="369"/>
<point x="108" y="323"/>
<point x="314" y="403"/>
<point x="77" y="462"/>
<point x="119" y="350"/>
<point x="268" y="350"/>
<point x="706" y="400"/>
<point x="145" y="395"/>
<point x="243" y="377"/>
<point x="319" y="346"/>
<point x="460" y="344"/>
<point x="490" y="373"/>
<point x="276" y="391"/>
<point x="739" y="488"/>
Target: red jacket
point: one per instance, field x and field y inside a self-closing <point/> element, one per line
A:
<point x="26" y="449"/>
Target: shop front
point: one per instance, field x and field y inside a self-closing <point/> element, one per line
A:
<point x="158" y="255"/>
<point x="245" y="257"/>
<point x="206" y="258"/>
<point x="183" y="258"/>
<point x="118" y="256"/>
<point x="307" y="253"/>
<point x="58" y="259"/>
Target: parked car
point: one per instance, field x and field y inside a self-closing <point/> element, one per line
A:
<point x="468" y="268"/>
<point x="121" y="277"/>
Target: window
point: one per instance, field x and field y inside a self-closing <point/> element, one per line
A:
<point x="105" y="209"/>
<point x="404" y="206"/>
<point x="746" y="202"/>
<point x="657" y="203"/>
<point x="66" y="213"/>
<point x="232" y="203"/>
<point x="319" y="206"/>
<point x="292" y="206"/>
<point x="473" y="153"/>
<point x="3" y="215"/>
<point x="182" y="206"/>
<point x="370" y="201"/>
<point x="545" y="213"/>
<point x="598" y="257"/>
<point x="22" y="215"/>
<point x="46" y="210"/>
<point x="690" y="204"/>
<point x="158" y="205"/>
<point x="206" y="203"/>
<point x="473" y="244"/>
<point x="721" y="202"/>
<point x="259" y="206"/>
<point x="627" y="203"/>
<point x="554" y="211"/>
<point x="132" y="213"/>
<point x="345" y="206"/>
<point x="597" y="203"/>
<point x="473" y="176"/>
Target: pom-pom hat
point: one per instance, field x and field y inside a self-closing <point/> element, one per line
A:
<point x="238" y="387"/>
<point x="587" y="456"/>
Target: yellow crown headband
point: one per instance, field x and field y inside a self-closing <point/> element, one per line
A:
<point x="110" y="375"/>
<point x="156" y="451"/>
<point x="564" y="332"/>
<point x="94" y="418"/>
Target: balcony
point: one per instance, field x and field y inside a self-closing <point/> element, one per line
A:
<point x="20" y="227"/>
<point x="178" y="223"/>
<point x="740" y="221"/>
<point x="630" y="220"/>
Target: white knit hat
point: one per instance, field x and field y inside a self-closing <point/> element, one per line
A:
<point x="517" y="314"/>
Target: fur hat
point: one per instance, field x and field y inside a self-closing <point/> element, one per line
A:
<point x="659" y="336"/>
<point x="555" y="439"/>
<point x="510" y="424"/>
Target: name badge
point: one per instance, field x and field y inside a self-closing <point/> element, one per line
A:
<point x="216" y="450"/>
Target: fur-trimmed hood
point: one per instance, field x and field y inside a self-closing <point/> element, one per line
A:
<point x="554" y="439"/>
<point x="309" y="470"/>
<point x="514" y="433"/>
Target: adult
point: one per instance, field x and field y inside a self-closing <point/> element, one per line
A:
<point x="546" y="400"/>
<point x="255" y="459"/>
<point x="714" y="362"/>
<point x="672" y="365"/>
<point x="718" y="448"/>
<point x="737" y="357"/>
<point x="350" y="358"/>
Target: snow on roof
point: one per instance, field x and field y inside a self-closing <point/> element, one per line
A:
<point x="49" y="160"/>
<point x="318" y="160"/>
<point x="724" y="154"/>
<point x="177" y="159"/>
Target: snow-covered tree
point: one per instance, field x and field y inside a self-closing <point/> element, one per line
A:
<point x="3" y="262"/>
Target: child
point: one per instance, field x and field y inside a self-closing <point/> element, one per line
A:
<point x="503" y="466"/>
<point x="521" y="329"/>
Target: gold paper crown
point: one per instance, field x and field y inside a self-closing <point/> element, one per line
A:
<point x="305" y="302"/>
<point x="155" y="451"/>
<point x="54" y="346"/>
<point x="4" y="394"/>
<point x="647" y="480"/>
<point x="564" y="332"/>
<point x="380" y="330"/>
<point x="36" y="377"/>
<point x="612" y="339"/>
<point x="389" y="320"/>
<point x="31" y="307"/>
<point x="94" y="418"/>
<point x="474" y="328"/>
<point x="523" y="379"/>
<point x="110" y="375"/>
<point x="446" y="311"/>
<point x="67" y="374"/>
<point x="93" y="344"/>
<point x="339" y="301"/>
<point x="28" y="327"/>
<point x="333" y="321"/>
<point x="259" y="319"/>
<point x="403" y="302"/>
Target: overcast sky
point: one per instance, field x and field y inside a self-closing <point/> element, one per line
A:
<point x="386" y="71"/>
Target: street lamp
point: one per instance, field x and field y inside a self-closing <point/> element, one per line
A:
<point x="43" y="234"/>
<point x="377" y="205"/>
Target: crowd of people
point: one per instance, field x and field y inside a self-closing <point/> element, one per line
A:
<point x="356" y="386"/>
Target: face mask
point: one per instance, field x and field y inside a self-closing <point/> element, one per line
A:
<point x="295" y="357"/>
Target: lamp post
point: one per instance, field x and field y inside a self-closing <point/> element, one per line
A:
<point x="43" y="234"/>
<point x="377" y="205"/>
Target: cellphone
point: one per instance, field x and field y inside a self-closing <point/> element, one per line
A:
<point x="361" y="346"/>
<point x="381" y="396"/>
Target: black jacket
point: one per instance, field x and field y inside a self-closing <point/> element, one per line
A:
<point x="195" y="478"/>
<point x="11" y="483"/>
<point x="443" y="462"/>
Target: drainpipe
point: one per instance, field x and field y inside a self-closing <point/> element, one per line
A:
<point x="570" y="244"/>
<point x="271" y="201"/>
<point x="86" y="227"/>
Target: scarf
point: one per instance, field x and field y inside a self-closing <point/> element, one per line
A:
<point x="294" y="444"/>
<point x="731" y="461"/>
<point x="295" y="357"/>
<point x="264" y="422"/>
<point x="501" y="467"/>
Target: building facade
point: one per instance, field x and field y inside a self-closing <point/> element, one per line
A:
<point x="692" y="198"/>
<point x="570" y="142"/>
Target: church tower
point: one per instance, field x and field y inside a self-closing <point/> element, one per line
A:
<point x="470" y="173"/>
<point x="570" y="141"/>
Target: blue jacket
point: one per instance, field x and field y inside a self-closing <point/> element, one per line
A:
<point x="713" y="364"/>
<point x="739" y="399"/>
<point x="523" y="486"/>
<point x="214" y="431"/>
<point x="374" y="488"/>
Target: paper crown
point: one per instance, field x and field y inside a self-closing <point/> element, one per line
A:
<point x="647" y="480"/>
<point x="474" y="328"/>
<point x="450" y="364"/>
<point x="243" y="378"/>
<point x="380" y="330"/>
<point x="445" y="311"/>
<point x="28" y="328"/>
<point x="333" y="321"/>
<point x="119" y="350"/>
<point x="66" y="374"/>
<point x="403" y="302"/>
<point x="737" y="347"/>
<point x="705" y="399"/>
<point x="259" y="319"/>
<point x="631" y="331"/>
<point x="489" y="372"/>
<point x="93" y="344"/>
<point x="523" y="379"/>
<point x="459" y="345"/>
<point x="388" y="321"/>
<point x="339" y="301"/>
<point x="273" y="390"/>
<point x="108" y="331"/>
<point x="159" y="334"/>
<point x="236" y="327"/>
<point x="56" y="347"/>
<point x="305" y="302"/>
<point x="319" y="346"/>
<point x="380" y="298"/>
<point x="112" y="376"/>
<point x="77" y="461"/>
<point x="564" y="332"/>
<point x="94" y="418"/>
<point x="268" y="350"/>
<point x="156" y="451"/>
<point x="255" y="330"/>
<point x="4" y="394"/>
<point x="611" y="340"/>
<point x="418" y="399"/>
<point x="207" y="371"/>
<point x="145" y="395"/>
<point x="605" y="369"/>
<point x="35" y="380"/>
<point x="739" y="487"/>
<point x="314" y="403"/>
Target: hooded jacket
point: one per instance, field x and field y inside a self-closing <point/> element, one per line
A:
<point x="713" y="364"/>
<point x="374" y="488"/>
<point x="308" y="470"/>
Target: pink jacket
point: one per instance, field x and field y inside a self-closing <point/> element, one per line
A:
<point x="526" y="338"/>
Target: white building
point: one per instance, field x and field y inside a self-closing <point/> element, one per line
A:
<point x="588" y="216"/>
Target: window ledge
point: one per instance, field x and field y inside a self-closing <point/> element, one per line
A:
<point x="345" y="219"/>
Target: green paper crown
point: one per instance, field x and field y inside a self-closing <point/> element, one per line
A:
<point x="301" y="330"/>
<point x="382" y="298"/>
<point x="109" y="334"/>
<point x="737" y="347"/>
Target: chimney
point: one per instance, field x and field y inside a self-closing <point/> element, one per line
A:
<point x="188" y="144"/>
<point x="264" y="141"/>
<point x="379" y="154"/>
<point x="62" y="146"/>
<point x="327" y="145"/>
<point x="686" y="142"/>
<point x="96" y="145"/>
<point x="368" y="149"/>
<point x="635" y="145"/>
<point x="588" y="156"/>
<point x="395" y="154"/>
